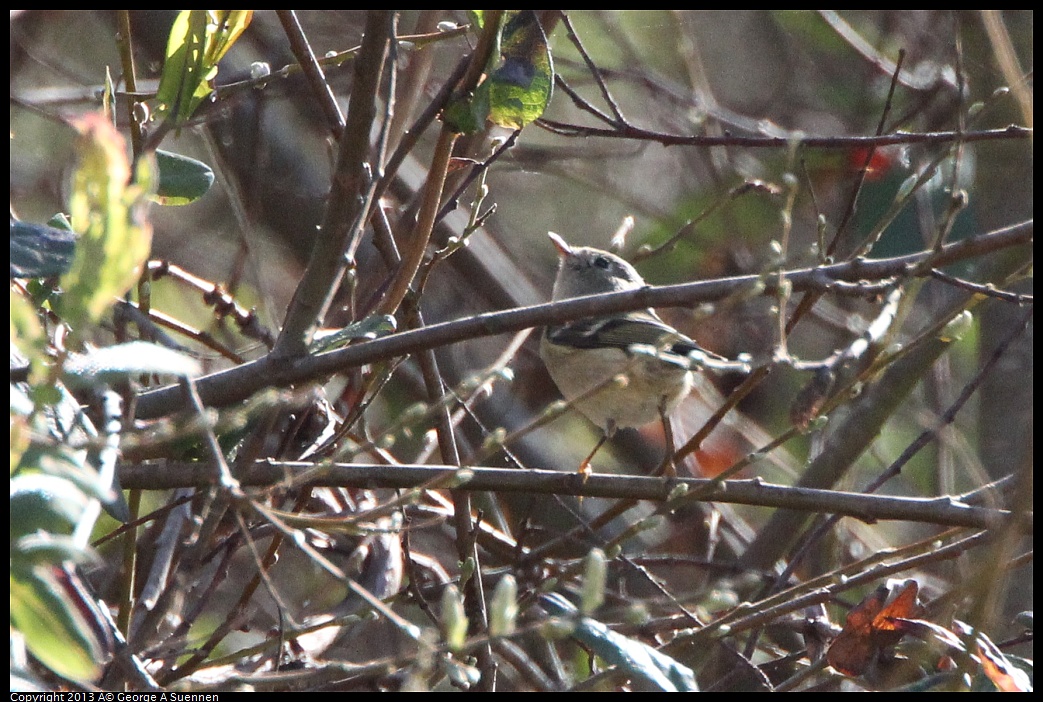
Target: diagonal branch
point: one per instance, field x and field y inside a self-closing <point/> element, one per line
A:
<point x="312" y="70"/>
<point x="346" y="208"/>
<point x="236" y="384"/>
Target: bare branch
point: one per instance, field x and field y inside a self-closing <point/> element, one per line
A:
<point x="760" y="142"/>
<point x="235" y="384"/>
<point x="168" y="475"/>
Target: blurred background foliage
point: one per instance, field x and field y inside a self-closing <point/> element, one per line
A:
<point x="738" y="73"/>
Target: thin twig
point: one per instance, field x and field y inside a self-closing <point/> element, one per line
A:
<point x="911" y="80"/>
<point x="301" y="49"/>
<point x="452" y="201"/>
<point x="581" y="102"/>
<point x="594" y="71"/>
<point x="761" y="142"/>
<point x="125" y="44"/>
<point x="809" y="300"/>
<point x="413" y="134"/>
<point x="688" y="228"/>
<point x="988" y="290"/>
<point x="415" y="247"/>
<point x="215" y="296"/>
<point x="815" y="532"/>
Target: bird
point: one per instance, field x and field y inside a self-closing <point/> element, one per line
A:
<point x="620" y="370"/>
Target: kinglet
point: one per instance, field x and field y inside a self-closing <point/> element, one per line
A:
<point x="585" y="357"/>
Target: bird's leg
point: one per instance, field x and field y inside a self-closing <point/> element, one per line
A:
<point x="668" y="467"/>
<point x="584" y="467"/>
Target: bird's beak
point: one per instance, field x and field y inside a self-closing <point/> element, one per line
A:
<point x="560" y="244"/>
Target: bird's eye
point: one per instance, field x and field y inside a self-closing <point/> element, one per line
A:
<point x="602" y="262"/>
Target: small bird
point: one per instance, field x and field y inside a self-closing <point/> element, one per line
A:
<point x="587" y="357"/>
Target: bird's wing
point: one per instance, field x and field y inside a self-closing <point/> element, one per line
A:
<point x="640" y="328"/>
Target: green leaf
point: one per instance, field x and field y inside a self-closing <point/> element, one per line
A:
<point x="182" y="180"/>
<point x="44" y="503"/>
<point x="28" y="335"/>
<point x="113" y="363"/>
<point x="518" y="90"/>
<point x="62" y="463"/>
<point x="60" y="221"/>
<point x="50" y="550"/>
<point x="521" y="88"/>
<point x="467" y="115"/>
<point x="39" y="251"/>
<point x="114" y="236"/>
<point x="198" y="40"/>
<point x="55" y="630"/>
<point x="477" y="18"/>
<point x="371" y="327"/>
<point x="654" y="670"/>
